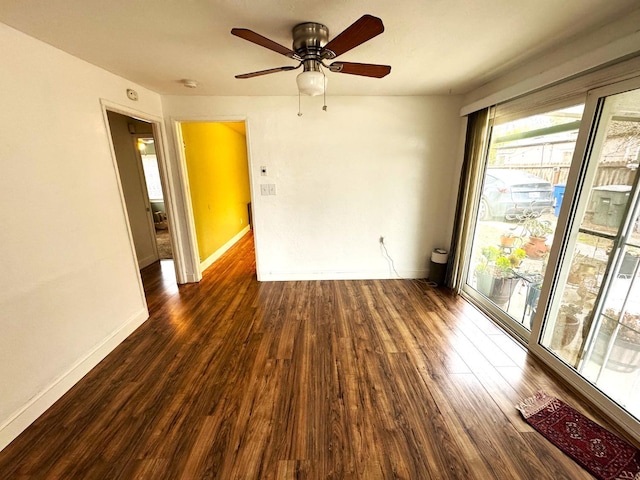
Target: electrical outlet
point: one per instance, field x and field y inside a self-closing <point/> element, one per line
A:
<point x="381" y="240"/>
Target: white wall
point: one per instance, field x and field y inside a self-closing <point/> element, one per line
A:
<point x="69" y="284"/>
<point x="367" y="167"/>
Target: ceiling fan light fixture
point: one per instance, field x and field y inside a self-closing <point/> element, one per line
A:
<point x="311" y="83"/>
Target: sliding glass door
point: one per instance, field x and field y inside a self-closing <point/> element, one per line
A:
<point x="593" y="322"/>
<point x="526" y="169"/>
<point x="554" y="254"/>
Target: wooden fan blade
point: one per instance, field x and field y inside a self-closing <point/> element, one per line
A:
<point x="363" y="29"/>
<point x="363" y="69"/>
<point x="265" y="72"/>
<point x="258" y="39"/>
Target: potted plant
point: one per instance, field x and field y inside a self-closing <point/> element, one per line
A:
<point x="508" y="238"/>
<point x="566" y="326"/>
<point x="538" y="231"/>
<point x="495" y="276"/>
<point x="625" y="351"/>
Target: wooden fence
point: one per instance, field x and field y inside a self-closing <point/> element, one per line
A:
<point x="607" y="174"/>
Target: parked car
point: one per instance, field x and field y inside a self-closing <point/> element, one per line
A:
<point x="514" y="194"/>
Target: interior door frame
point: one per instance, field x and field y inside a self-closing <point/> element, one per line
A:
<point x="562" y="247"/>
<point x="168" y="187"/>
<point x="182" y="174"/>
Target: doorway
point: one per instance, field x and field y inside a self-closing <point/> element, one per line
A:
<point x="215" y="158"/>
<point x="134" y="146"/>
<point x="145" y="145"/>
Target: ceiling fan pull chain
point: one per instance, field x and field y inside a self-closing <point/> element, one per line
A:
<point x="324" y="90"/>
<point x="299" y="105"/>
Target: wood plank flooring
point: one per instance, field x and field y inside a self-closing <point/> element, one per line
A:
<point x="235" y="379"/>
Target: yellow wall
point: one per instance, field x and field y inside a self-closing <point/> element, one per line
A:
<point x="218" y="170"/>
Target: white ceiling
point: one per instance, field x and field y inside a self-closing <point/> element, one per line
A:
<point x="433" y="46"/>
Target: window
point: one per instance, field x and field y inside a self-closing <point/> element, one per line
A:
<point x="150" y="167"/>
<point x="524" y="181"/>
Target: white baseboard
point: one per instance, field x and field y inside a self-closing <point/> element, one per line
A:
<point x="222" y="250"/>
<point x="336" y="275"/>
<point x="192" y="278"/>
<point x="35" y="407"/>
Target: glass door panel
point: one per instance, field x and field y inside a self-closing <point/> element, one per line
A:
<point x="596" y="325"/>
<point x="526" y="169"/>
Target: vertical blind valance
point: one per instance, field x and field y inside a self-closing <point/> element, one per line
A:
<point x="564" y="94"/>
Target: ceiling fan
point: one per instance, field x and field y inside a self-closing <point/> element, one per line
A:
<point x="311" y="48"/>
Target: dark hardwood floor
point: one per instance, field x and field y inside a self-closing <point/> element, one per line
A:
<point x="235" y="379"/>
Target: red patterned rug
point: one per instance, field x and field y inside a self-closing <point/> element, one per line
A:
<point x="599" y="451"/>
